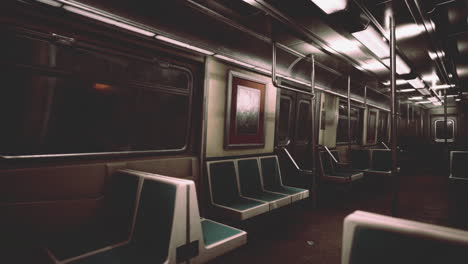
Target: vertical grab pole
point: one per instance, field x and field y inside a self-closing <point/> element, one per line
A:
<point x="313" y="134"/>
<point x="349" y="114"/>
<point x="446" y="129"/>
<point x="393" y="116"/>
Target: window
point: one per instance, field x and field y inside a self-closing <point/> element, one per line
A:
<point x="69" y="100"/>
<point x="383" y="126"/>
<point x="356" y="124"/>
<point x="284" y="120"/>
<point x="371" y="126"/>
<point x="304" y="122"/>
<point x="440" y="130"/>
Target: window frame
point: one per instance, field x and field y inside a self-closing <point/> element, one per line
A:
<point x="360" y="121"/>
<point x="436" y="139"/>
<point x="86" y="46"/>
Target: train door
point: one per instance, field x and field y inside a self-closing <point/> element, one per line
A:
<point x="294" y="133"/>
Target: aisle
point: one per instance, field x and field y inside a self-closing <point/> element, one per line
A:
<point x="300" y="235"/>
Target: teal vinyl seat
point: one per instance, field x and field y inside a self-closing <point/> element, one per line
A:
<point x="225" y="195"/>
<point x="208" y="239"/>
<point x="157" y="229"/>
<point x="372" y="238"/>
<point x="272" y="179"/>
<point x="251" y="184"/>
<point x="332" y="174"/>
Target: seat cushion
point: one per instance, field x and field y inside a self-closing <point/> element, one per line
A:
<point x="214" y="232"/>
<point x="287" y="190"/>
<point x="242" y="204"/>
<point x="265" y="196"/>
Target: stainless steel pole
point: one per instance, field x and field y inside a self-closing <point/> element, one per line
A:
<point x="349" y="114"/>
<point x="313" y="134"/>
<point x="393" y="116"/>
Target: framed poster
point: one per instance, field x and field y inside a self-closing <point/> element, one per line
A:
<point x="245" y="111"/>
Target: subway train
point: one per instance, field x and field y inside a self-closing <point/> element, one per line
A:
<point x="248" y="131"/>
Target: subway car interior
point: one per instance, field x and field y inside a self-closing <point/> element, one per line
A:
<point x="234" y="131"/>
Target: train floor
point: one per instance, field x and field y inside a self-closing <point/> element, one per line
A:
<point x="299" y="234"/>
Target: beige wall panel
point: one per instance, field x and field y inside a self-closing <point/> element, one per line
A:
<point x="217" y="88"/>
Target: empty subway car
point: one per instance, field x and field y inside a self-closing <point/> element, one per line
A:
<point x="254" y="131"/>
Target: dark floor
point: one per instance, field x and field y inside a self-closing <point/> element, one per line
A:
<point x="301" y="234"/>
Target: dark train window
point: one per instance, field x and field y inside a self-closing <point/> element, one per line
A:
<point x="371" y="126"/>
<point x="303" y="130"/>
<point x="383" y="127"/>
<point x="81" y="101"/>
<point x="356" y="124"/>
<point x="440" y="130"/>
<point x="284" y="120"/>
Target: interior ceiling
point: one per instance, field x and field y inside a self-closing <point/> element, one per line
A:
<point x="244" y="29"/>
<point x="423" y="28"/>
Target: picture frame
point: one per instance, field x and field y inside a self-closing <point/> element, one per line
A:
<point x="245" y="111"/>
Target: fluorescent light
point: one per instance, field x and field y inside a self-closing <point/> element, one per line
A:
<point x="50" y="2"/>
<point x="108" y="20"/>
<point x="437" y="103"/>
<point x="406" y="90"/>
<point x="234" y="61"/>
<point x="370" y="38"/>
<point x="343" y="45"/>
<point x="398" y="82"/>
<point x="331" y="6"/>
<point x="416" y="83"/>
<point x="424" y="102"/>
<point x="451" y="95"/>
<point x="406" y="31"/>
<point x="401" y="66"/>
<point x="184" y="45"/>
<point x="262" y="70"/>
<point x="435" y="55"/>
<point x="424" y="91"/>
<point x="457" y="100"/>
<point x="442" y="86"/>
<point x="374" y="65"/>
<point x="416" y="98"/>
<point x="433" y="99"/>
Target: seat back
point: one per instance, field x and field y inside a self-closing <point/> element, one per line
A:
<point x="249" y="176"/>
<point x="161" y="221"/>
<point x="360" y="159"/>
<point x="381" y="160"/>
<point x="222" y="180"/>
<point x="372" y="238"/>
<point x="271" y="172"/>
<point x="459" y="164"/>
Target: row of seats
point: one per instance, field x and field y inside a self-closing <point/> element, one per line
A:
<point x="363" y="162"/>
<point x="372" y="161"/>
<point x="246" y="187"/>
<point x="164" y="226"/>
<point x="370" y="238"/>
